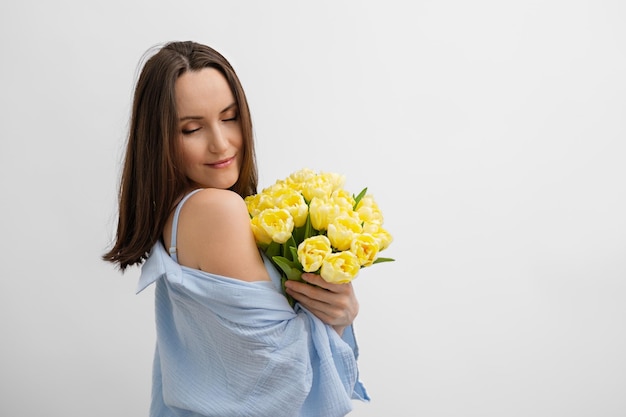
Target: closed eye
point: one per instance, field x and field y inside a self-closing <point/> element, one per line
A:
<point x="230" y="113"/>
<point x="231" y="119"/>
<point x="190" y="131"/>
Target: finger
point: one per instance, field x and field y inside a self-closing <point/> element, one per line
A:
<point x="318" y="299"/>
<point x="316" y="279"/>
<point x="326" y="312"/>
<point x="302" y="289"/>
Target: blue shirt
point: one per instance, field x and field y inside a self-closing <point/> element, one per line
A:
<point x="227" y="347"/>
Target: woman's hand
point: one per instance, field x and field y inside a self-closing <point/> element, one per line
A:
<point x="334" y="304"/>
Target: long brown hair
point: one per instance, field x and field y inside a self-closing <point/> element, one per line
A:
<point x="152" y="179"/>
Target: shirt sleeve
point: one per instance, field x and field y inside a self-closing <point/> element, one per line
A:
<point x="229" y="347"/>
<point x="359" y="393"/>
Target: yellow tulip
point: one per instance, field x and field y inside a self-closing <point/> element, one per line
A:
<point x="365" y="247"/>
<point x="342" y="230"/>
<point x="292" y="201"/>
<point x="343" y="199"/>
<point x="277" y="223"/>
<point x="340" y="267"/>
<point x="369" y="211"/>
<point x="260" y="235"/>
<point x="322" y="212"/>
<point x="382" y="236"/>
<point x="313" y="251"/>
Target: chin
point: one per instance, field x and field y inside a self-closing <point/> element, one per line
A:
<point x="223" y="180"/>
<point x="226" y="184"/>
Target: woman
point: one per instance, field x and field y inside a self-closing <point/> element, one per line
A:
<point x="228" y="343"/>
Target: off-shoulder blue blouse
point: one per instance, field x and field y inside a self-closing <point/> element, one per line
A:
<point x="227" y="347"/>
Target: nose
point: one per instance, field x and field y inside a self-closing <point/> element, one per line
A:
<point x="218" y="141"/>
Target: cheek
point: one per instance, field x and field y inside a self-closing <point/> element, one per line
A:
<point x="190" y="159"/>
<point x="237" y="142"/>
<point x="190" y="150"/>
<point x="186" y="157"/>
<point x="236" y="138"/>
<point x="240" y="151"/>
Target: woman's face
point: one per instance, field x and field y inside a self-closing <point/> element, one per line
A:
<point x="209" y="129"/>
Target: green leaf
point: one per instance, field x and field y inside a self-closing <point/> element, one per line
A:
<point x="273" y="249"/>
<point x="291" y="243"/>
<point x="381" y="260"/>
<point x="308" y="228"/>
<point x="289" y="268"/>
<point x="359" y="197"/>
<point x="285" y="249"/>
<point x="294" y="257"/>
<point x="298" y="233"/>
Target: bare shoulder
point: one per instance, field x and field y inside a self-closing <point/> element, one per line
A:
<point x="219" y="203"/>
<point x="214" y="235"/>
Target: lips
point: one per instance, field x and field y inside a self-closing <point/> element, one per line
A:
<point x="222" y="163"/>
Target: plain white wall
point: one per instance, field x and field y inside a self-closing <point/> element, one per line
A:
<point x="493" y="135"/>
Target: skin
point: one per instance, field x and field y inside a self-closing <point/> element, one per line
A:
<point x="214" y="224"/>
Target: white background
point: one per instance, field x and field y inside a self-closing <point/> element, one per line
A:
<point x="492" y="134"/>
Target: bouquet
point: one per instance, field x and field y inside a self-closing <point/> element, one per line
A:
<point x="308" y="222"/>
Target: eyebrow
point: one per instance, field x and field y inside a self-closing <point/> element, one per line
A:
<point x="224" y="110"/>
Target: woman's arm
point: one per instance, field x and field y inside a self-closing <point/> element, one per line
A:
<point x="214" y="235"/>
